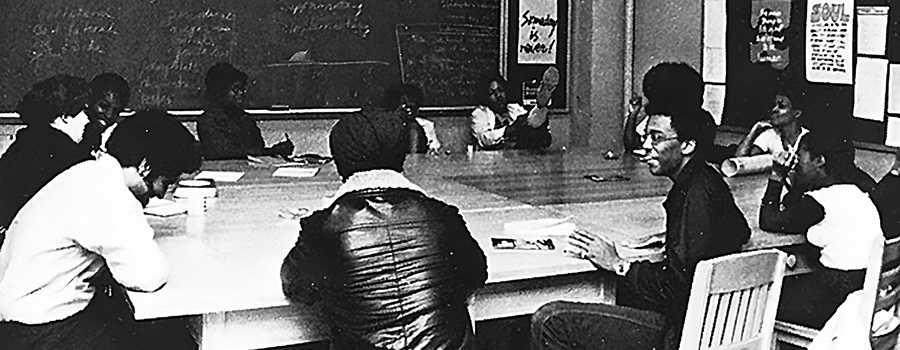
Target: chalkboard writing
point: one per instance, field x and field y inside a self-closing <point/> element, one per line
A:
<point x="195" y="41"/>
<point x="447" y="59"/>
<point x="300" y="53"/>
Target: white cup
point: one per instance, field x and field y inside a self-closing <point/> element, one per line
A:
<point x="196" y="205"/>
<point x="470" y="150"/>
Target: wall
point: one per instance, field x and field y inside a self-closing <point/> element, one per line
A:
<point x="666" y="30"/>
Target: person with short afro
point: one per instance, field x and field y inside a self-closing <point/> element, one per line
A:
<point x="225" y="130"/>
<point x="391" y="266"/>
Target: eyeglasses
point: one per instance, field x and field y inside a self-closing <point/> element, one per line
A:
<point x="656" y="139"/>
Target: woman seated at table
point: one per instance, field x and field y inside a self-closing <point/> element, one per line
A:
<point x="224" y="129"/>
<point x="497" y="124"/>
<point x="779" y="132"/>
<point x="840" y="221"/>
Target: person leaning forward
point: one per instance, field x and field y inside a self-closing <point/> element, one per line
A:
<point x="702" y="222"/>
<point x="391" y="267"/>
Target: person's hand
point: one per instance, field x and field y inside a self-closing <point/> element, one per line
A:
<point x="635" y="105"/>
<point x="759" y="127"/>
<point x="595" y="248"/>
<point x="896" y="165"/>
<point x="282" y="149"/>
<point x="537" y="119"/>
<point x="782" y="163"/>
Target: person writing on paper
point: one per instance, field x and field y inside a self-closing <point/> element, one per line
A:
<point x="405" y="99"/>
<point x="109" y="94"/>
<point x="702" y="222"/>
<point x="59" y="243"/>
<point x="224" y="129"/>
<point x="53" y="111"/>
<point x="497" y="124"/>
<point x="840" y="222"/>
<point x="390" y="266"/>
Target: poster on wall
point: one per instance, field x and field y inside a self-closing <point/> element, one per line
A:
<point x="772" y="17"/>
<point x="829" y="41"/>
<point x="538" y="21"/>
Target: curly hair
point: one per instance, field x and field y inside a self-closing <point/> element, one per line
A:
<point x="51" y="98"/>
<point x="671" y="86"/>
<point x="168" y="147"/>
<point x="107" y="84"/>
<point x="695" y="124"/>
<point x="219" y="79"/>
<point x="482" y="93"/>
<point x="394" y="93"/>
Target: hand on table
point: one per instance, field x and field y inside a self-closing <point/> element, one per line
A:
<point x="283" y="149"/>
<point x="595" y="248"/>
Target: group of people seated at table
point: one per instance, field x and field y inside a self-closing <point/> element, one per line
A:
<point x="390" y="266"/>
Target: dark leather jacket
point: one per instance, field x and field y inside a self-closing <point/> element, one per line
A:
<point x="392" y="268"/>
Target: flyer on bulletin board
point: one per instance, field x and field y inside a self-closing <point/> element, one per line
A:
<point x="538" y="24"/>
<point x="829" y="41"/>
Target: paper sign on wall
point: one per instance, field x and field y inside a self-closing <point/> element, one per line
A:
<point x="538" y="25"/>
<point x="771" y="18"/>
<point x="829" y="41"/>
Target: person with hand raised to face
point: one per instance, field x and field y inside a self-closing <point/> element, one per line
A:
<point x="780" y="132"/>
<point x="224" y="129"/>
<point x="702" y="222"/>
<point x="497" y="124"/>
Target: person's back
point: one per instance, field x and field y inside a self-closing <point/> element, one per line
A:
<point x="53" y="112"/>
<point x="392" y="267"/>
<point x="402" y="261"/>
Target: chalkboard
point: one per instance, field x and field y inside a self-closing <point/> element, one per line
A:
<point x="825" y="107"/>
<point x="345" y="52"/>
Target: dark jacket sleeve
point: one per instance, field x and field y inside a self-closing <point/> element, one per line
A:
<point x="300" y="273"/>
<point x="798" y="214"/>
<point x="692" y="236"/>
<point x="526" y="137"/>
<point x="221" y="140"/>
<point x="468" y="258"/>
<point x="886" y="197"/>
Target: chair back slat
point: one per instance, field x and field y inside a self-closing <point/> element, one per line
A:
<point x="884" y="330"/>
<point x="733" y="301"/>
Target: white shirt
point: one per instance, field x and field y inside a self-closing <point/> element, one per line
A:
<point x="484" y="123"/>
<point x="849" y="230"/>
<point x="430" y="134"/>
<point x="60" y="238"/>
<point x="770" y="142"/>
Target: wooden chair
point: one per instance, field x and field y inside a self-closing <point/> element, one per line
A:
<point x="733" y="301"/>
<point x="880" y="289"/>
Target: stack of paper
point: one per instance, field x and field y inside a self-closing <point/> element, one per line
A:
<point x="164" y="207"/>
<point x="539" y="234"/>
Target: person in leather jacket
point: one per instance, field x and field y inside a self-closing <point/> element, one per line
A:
<point x="390" y="267"/>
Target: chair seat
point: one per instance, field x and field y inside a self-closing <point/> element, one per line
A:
<point x="794" y="334"/>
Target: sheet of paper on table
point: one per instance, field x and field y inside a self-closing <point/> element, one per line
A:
<point x="295" y="172"/>
<point x="164" y="207"/>
<point x="220" y="176"/>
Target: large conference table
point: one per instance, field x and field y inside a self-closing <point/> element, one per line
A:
<point x="225" y="263"/>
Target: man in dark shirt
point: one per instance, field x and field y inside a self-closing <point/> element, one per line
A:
<point x="53" y="112"/>
<point x="702" y="222"/>
<point x="225" y="130"/>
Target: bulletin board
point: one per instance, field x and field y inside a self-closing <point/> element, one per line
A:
<point x="849" y="93"/>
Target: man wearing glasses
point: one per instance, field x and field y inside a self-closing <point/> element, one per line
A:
<point x="54" y="115"/>
<point x="702" y="222"/>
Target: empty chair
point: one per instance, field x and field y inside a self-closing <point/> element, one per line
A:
<point x="733" y="301"/>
